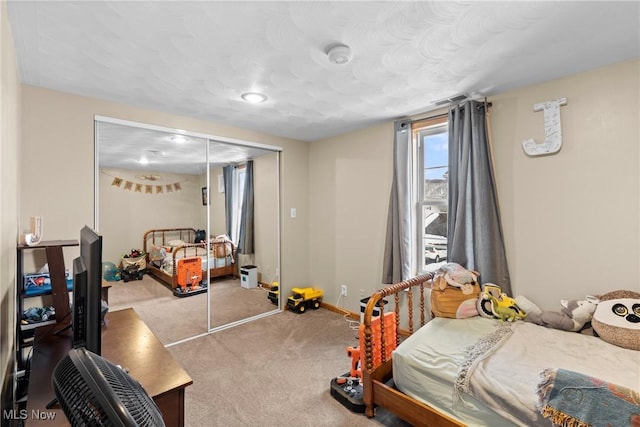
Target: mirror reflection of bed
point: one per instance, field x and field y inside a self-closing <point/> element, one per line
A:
<point x="149" y="179"/>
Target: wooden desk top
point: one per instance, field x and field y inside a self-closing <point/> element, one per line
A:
<point x="126" y="341"/>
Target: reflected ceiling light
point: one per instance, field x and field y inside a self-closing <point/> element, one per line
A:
<point x="253" y="97"/>
<point x="339" y="54"/>
<point x="143" y="161"/>
<point x="179" y="139"/>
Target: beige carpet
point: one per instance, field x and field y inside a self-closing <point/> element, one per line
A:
<point x="274" y="371"/>
<point x="173" y="319"/>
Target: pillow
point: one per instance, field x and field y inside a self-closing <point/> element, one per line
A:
<point x="157" y="253"/>
<point x="453" y="303"/>
<point x="617" y="319"/>
<point x="176" y="242"/>
<point x="222" y="246"/>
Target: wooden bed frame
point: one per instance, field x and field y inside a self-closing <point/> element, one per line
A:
<point x="378" y="388"/>
<point x="161" y="236"/>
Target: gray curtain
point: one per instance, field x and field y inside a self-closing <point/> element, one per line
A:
<point x="245" y="242"/>
<point x="396" y="265"/>
<point x="227" y="173"/>
<point x="475" y="232"/>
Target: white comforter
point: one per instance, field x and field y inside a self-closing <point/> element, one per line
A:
<point x="486" y="372"/>
<point x="507" y="376"/>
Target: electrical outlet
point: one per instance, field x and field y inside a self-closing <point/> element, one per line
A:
<point x="343" y="291"/>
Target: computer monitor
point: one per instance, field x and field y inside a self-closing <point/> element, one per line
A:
<point x="79" y="303"/>
<point x="87" y="307"/>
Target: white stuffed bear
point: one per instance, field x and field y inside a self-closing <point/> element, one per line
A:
<point x="574" y="315"/>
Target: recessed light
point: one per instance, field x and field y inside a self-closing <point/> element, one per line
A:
<point x="253" y="97"/>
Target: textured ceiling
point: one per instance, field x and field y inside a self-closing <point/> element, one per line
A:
<point x="196" y="58"/>
<point x="154" y="151"/>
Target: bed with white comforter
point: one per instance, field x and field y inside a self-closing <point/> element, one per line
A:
<point x="485" y="372"/>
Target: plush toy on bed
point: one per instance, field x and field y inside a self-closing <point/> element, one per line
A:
<point x="454" y="292"/>
<point x="493" y="303"/>
<point x="453" y="274"/>
<point x="617" y="319"/>
<point x="573" y="316"/>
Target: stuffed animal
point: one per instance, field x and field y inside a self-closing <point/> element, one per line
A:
<point x="455" y="275"/>
<point x="572" y="317"/>
<point x="504" y="313"/>
<point x="492" y="301"/>
<point x="617" y="319"/>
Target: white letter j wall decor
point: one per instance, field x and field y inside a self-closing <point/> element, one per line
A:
<point x="552" y="132"/>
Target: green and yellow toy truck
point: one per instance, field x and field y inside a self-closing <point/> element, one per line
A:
<point x="303" y="298"/>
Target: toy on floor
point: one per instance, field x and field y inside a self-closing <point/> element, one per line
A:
<point x="133" y="265"/>
<point x="274" y="292"/>
<point x="572" y="317"/>
<point x="189" y="277"/>
<point x="347" y="389"/>
<point x="131" y="272"/>
<point x="303" y="298"/>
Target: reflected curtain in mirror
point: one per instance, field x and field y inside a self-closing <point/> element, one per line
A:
<point x="245" y="239"/>
<point x="227" y="173"/>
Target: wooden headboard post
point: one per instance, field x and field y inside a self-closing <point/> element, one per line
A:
<point x="372" y="304"/>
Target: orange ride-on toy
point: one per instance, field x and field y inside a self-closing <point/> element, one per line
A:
<point x="189" y="277"/>
<point x="347" y="389"/>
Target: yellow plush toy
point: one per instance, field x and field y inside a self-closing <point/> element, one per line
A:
<point x="493" y="303"/>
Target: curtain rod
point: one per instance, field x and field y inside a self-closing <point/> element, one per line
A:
<point x="439" y="116"/>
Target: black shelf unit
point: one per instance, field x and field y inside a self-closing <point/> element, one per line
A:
<point x="59" y="290"/>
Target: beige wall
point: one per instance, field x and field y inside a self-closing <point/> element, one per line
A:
<point x="571" y="220"/>
<point x="266" y="216"/>
<point x="125" y="215"/>
<point x="57" y="147"/>
<point x="349" y="183"/>
<point x="9" y="187"/>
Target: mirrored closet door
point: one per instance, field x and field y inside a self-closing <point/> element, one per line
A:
<point x="160" y="207"/>
<point x="244" y="201"/>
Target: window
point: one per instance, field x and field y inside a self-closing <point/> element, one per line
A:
<point x="237" y="198"/>
<point x="431" y="141"/>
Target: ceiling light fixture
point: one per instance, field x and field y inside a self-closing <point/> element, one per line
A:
<point x="179" y="139"/>
<point x="253" y="97"/>
<point x="339" y="54"/>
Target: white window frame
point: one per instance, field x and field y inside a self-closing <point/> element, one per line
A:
<point x="421" y="129"/>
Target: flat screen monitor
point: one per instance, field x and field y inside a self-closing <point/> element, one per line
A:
<point x="79" y="322"/>
<point x="91" y="254"/>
